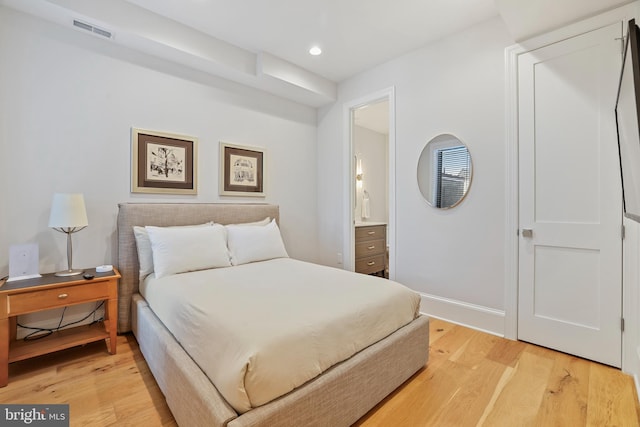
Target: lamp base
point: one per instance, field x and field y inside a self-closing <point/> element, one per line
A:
<point x="65" y="273"/>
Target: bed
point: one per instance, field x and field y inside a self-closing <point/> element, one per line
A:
<point x="339" y="396"/>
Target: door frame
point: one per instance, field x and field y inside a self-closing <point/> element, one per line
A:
<point x="512" y="225"/>
<point x="350" y="177"/>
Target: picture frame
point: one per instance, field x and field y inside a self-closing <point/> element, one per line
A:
<point x="242" y="170"/>
<point x="163" y="163"/>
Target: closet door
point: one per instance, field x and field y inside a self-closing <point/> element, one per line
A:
<point x="570" y="244"/>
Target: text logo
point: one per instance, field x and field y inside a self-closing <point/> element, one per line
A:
<point x="34" y="415"/>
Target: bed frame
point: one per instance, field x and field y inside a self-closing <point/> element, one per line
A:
<point x="338" y="397"/>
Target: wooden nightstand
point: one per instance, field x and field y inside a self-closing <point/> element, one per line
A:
<point x="371" y="248"/>
<point x="48" y="292"/>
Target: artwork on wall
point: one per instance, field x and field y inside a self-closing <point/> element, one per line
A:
<point x="242" y="170"/>
<point x="163" y="162"/>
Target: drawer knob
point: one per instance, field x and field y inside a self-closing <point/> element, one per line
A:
<point x="63" y="296"/>
<point x="371" y="233"/>
<point x="370" y="263"/>
<point x="371" y="247"/>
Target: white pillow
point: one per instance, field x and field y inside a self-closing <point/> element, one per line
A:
<point x="145" y="257"/>
<point x="182" y="249"/>
<point x="255" y="243"/>
<point x="143" y="245"/>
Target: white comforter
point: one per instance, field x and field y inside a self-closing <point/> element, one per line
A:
<point x="260" y="330"/>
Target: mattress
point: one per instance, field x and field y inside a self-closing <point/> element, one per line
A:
<point x="260" y="330"/>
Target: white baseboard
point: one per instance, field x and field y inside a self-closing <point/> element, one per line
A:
<point x="484" y="319"/>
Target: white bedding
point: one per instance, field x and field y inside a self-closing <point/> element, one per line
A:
<point x="260" y="330"/>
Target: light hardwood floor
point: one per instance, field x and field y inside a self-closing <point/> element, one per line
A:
<point x="472" y="379"/>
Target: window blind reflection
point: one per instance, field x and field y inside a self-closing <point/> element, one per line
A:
<point x="452" y="175"/>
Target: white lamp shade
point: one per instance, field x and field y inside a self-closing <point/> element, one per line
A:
<point x="68" y="210"/>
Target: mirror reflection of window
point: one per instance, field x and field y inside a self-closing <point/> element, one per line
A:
<point x="452" y="175"/>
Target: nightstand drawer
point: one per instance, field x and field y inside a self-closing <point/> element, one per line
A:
<point x="370" y="265"/>
<point x="46" y="299"/>
<point x="370" y="233"/>
<point x="370" y="248"/>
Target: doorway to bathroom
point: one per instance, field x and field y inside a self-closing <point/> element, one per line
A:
<point x="370" y="244"/>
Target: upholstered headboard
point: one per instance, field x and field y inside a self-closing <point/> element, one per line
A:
<point x="168" y="214"/>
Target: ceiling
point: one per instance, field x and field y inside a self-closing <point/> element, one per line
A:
<point x="374" y="116"/>
<point x="528" y="18"/>
<point x="264" y="44"/>
<point x="354" y="34"/>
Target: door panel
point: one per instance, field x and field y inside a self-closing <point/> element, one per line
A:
<point x="562" y="196"/>
<point x="561" y="274"/>
<point x="570" y="268"/>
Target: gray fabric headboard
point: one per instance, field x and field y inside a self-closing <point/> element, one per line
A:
<point x="167" y="214"/>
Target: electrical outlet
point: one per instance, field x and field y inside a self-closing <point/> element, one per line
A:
<point x="339" y="258"/>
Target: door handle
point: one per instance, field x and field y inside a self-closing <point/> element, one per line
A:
<point x="527" y="232"/>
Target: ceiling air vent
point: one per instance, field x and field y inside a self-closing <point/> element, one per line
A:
<point x="95" y="30"/>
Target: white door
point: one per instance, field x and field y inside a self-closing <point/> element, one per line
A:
<point x="570" y="243"/>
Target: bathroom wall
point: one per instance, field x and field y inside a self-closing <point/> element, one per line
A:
<point x="371" y="148"/>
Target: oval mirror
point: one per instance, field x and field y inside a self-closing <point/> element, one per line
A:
<point x="444" y="171"/>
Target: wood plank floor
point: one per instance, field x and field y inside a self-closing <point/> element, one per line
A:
<point x="472" y="379"/>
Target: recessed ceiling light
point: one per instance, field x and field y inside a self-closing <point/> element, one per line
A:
<point x="315" y="51"/>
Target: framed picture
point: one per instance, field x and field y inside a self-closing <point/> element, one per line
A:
<point x="163" y="162"/>
<point x="242" y="170"/>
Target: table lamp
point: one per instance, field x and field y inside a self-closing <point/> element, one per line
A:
<point x="68" y="215"/>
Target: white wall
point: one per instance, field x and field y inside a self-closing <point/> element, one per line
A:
<point x="631" y="301"/>
<point x="371" y="148"/>
<point x="455" y="86"/>
<point x="68" y="102"/>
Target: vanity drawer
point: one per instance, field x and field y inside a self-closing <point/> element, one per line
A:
<point x="370" y="265"/>
<point x="45" y="299"/>
<point x="370" y="233"/>
<point x="370" y="247"/>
